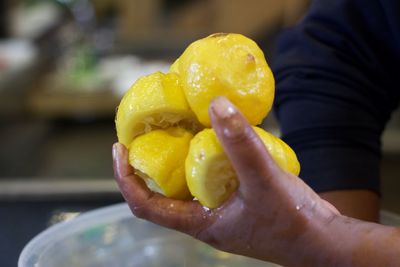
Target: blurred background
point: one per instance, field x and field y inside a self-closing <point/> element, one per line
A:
<point x="64" y="66"/>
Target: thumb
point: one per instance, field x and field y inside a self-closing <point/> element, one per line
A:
<point x="250" y="159"/>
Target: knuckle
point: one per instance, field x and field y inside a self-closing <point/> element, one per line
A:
<point x="245" y="136"/>
<point x="139" y="212"/>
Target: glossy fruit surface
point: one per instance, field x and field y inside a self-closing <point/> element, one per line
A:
<point x="209" y="174"/>
<point x="159" y="158"/>
<point x="229" y="65"/>
<point x="155" y="101"/>
<point x="161" y="118"/>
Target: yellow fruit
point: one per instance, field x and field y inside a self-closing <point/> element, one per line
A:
<point x="153" y="102"/>
<point x="229" y="65"/>
<point x="209" y="174"/>
<point x="160" y="113"/>
<point x="283" y="154"/>
<point x="174" y="67"/>
<point x="159" y="158"/>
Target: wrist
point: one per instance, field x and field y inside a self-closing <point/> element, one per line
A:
<point x="322" y="242"/>
<point x="329" y="242"/>
<point x="313" y="239"/>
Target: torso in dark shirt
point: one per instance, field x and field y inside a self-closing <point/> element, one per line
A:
<point x="337" y="79"/>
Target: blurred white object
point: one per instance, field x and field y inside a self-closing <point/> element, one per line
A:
<point x="17" y="53"/>
<point x="16" y="56"/>
<point x="122" y="71"/>
<point x="29" y="21"/>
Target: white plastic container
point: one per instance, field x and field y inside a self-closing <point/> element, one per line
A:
<point x="112" y="236"/>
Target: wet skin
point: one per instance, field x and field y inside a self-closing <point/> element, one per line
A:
<point x="273" y="215"/>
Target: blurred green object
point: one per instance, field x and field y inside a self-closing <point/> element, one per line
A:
<point x="80" y="72"/>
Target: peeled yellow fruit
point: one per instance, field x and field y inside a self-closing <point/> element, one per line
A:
<point x="209" y="174"/>
<point x="174" y="67"/>
<point x="159" y="158"/>
<point x="160" y="113"/>
<point x="153" y="102"/>
<point x="229" y="65"/>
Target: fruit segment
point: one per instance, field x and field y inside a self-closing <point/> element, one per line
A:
<point x="229" y="65"/>
<point x="281" y="152"/>
<point x="155" y="101"/>
<point x="209" y="174"/>
<point x="159" y="158"/>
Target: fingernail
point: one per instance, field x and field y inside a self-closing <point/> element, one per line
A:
<point x="223" y="108"/>
<point x="118" y="158"/>
<point x="228" y="117"/>
<point x="116" y="150"/>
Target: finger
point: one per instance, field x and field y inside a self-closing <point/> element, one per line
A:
<point x="185" y="216"/>
<point x="247" y="153"/>
<point x="332" y="208"/>
<point x="135" y="192"/>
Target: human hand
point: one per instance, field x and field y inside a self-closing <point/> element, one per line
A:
<point x="272" y="215"/>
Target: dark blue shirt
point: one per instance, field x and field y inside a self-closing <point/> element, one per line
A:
<point x="337" y="82"/>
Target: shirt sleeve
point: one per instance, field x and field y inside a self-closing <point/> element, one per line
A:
<point x="335" y="93"/>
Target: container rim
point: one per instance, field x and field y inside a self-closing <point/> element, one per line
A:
<point x="64" y="229"/>
<point x="108" y="215"/>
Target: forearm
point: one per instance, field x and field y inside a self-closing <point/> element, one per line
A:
<point x="345" y="241"/>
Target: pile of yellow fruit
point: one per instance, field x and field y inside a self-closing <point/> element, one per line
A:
<point x="163" y="118"/>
